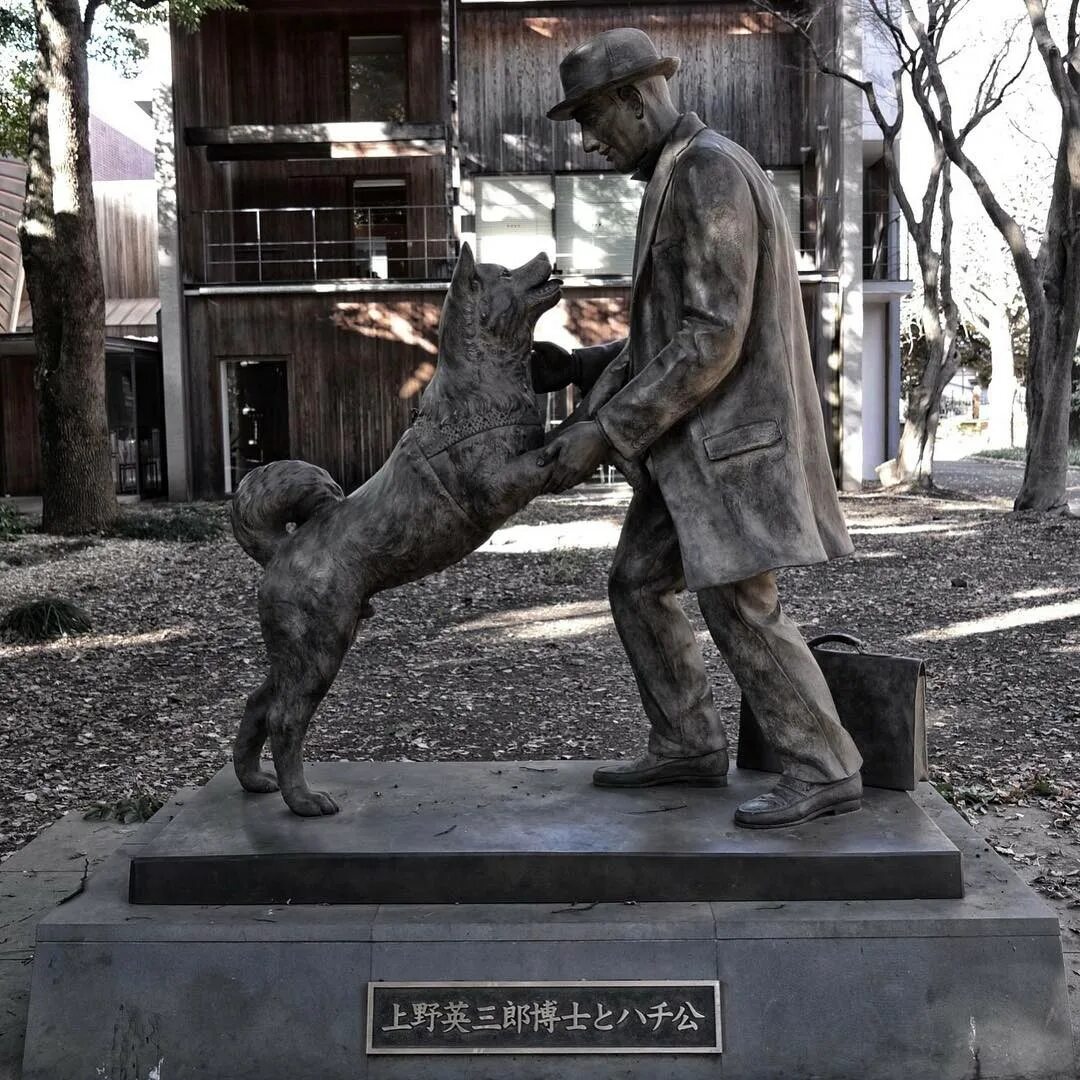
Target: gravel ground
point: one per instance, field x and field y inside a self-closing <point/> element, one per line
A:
<point x="513" y="655"/>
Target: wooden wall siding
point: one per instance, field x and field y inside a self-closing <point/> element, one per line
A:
<point x="259" y="67"/>
<point x="127" y="236"/>
<point x="824" y="132"/>
<point x="12" y="194"/>
<point x="20" y="443"/>
<point x="742" y="74"/>
<point x="266" y="67"/>
<point x="358" y="363"/>
<point x="595" y="316"/>
<point x="350" y="358"/>
<point x="200" y="91"/>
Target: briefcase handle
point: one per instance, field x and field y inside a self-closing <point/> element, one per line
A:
<point x="838" y="638"/>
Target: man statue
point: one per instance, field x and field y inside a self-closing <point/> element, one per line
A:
<point x="711" y="408"/>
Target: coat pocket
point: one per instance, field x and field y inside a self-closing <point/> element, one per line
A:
<point x="756" y="436"/>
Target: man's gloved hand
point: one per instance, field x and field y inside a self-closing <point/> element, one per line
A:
<point x="573" y="455"/>
<point x="552" y="367"/>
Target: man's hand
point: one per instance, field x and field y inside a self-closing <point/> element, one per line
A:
<point x="573" y="455"/>
<point x="552" y="367"/>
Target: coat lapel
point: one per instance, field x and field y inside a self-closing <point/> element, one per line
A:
<point x="685" y="132"/>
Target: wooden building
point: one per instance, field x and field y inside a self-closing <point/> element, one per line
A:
<point x="125" y="203"/>
<point x="320" y="163"/>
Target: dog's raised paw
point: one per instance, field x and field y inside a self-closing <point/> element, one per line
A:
<point x="311" y="803"/>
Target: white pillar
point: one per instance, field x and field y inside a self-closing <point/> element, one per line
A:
<point x="850" y="192"/>
<point x="874" y="384"/>
<point x="173" y="322"/>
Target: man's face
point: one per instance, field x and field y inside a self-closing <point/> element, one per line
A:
<point x="611" y="127"/>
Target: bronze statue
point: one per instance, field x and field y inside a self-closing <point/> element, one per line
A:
<point x="711" y="407"/>
<point x="464" y="467"/>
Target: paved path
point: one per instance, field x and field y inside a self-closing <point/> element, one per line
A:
<point x="989" y="477"/>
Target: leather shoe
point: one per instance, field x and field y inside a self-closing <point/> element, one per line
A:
<point x="703" y="770"/>
<point x="794" y="801"/>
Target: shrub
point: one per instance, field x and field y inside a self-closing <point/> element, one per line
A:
<point x="12" y="523"/>
<point x="44" y="620"/>
<point x="187" y="524"/>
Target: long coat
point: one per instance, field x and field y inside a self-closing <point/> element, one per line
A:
<point x="717" y="388"/>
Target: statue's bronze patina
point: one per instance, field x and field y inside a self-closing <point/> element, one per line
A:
<point x="711" y="407"/>
<point x="464" y="467"/>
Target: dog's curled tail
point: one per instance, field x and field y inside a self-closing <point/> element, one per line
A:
<point x="272" y="496"/>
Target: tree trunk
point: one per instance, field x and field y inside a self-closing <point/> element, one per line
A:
<point x="913" y="466"/>
<point x="914" y="462"/>
<point x="1074" y="406"/>
<point x="1054" y="330"/>
<point x="1002" y="377"/>
<point x="63" y="277"/>
<point x="1049" y="380"/>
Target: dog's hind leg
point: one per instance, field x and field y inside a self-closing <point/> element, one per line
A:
<point x="247" y="747"/>
<point x="299" y="687"/>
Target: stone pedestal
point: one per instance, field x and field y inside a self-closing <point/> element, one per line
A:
<point x="537" y="832"/>
<point x="897" y="986"/>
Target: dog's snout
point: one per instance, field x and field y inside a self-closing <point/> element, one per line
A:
<point x="537" y="270"/>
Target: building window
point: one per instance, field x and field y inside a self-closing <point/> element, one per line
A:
<point x="377" y="78"/>
<point x="596" y="222"/>
<point x="881" y="227"/>
<point x="514" y="219"/>
<point x="788" y="184"/>
<point x="586" y="221"/>
<point x="379" y="229"/>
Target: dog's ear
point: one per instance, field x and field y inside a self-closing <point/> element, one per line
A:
<point x="465" y="270"/>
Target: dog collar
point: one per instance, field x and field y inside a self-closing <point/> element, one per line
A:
<point x="434" y="437"/>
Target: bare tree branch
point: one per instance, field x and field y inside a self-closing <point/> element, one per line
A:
<point x="990" y="94"/>
<point x="1003" y="221"/>
<point x="1051" y="54"/>
<point x="1048" y="150"/>
<point x="802" y="28"/>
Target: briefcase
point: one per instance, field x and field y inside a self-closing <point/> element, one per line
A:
<point x="881" y="701"/>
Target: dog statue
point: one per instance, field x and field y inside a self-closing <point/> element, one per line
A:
<point x="454" y="477"/>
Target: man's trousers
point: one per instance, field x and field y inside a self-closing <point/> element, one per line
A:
<point x="760" y="644"/>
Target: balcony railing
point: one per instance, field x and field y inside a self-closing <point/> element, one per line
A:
<point x="323" y="243"/>
<point x="416" y="243"/>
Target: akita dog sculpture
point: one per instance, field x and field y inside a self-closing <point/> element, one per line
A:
<point x="455" y="476"/>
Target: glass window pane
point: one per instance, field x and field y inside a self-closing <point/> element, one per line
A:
<point x="788" y="184"/>
<point x="379" y="230"/>
<point x="377" y="78"/>
<point x="596" y="222"/>
<point x="513" y="219"/>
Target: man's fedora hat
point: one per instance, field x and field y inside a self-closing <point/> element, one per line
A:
<point x="610" y="59"/>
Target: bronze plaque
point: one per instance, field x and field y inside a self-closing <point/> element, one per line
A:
<point x="658" y="1017"/>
